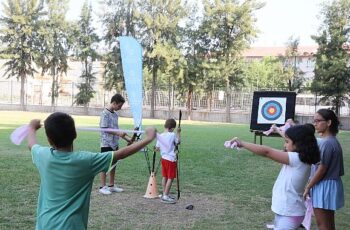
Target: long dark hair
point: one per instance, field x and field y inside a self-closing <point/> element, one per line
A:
<point x="303" y="137"/>
<point x="328" y="114"/>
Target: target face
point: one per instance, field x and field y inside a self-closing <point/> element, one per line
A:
<point x="271" y="110"/>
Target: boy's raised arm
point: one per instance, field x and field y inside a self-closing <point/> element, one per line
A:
<point x="151" y="133"/>
<point x="34" y="125"/>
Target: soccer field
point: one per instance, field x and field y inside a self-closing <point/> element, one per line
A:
<point x="229" y="189"/>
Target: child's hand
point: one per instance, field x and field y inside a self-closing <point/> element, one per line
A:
<point x="306" y="192"/>
<point x="156" y="149"/>
<point x="237" y="141"/>
<point x="35" y="124"/>
<point x="120" y="134"/>
<point x="178" y="130"/>
<point x="233" y="143"/>
<point x="151" y="132"/>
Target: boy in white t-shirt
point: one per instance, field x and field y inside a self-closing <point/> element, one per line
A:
<point x="169" y="158"/>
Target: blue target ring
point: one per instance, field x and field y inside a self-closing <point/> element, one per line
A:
<point x="271" y="110"/>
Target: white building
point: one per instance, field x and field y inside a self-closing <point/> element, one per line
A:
<point x="305" y="57"/>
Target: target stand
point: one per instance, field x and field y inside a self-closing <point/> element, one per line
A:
<point x="268" y="108"/>
<point x="260" y="134"/>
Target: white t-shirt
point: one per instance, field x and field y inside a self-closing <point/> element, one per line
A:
<point x="167" y="152"/>
<point x="287" y="193"/>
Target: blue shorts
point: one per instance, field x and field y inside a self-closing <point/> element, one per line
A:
<point x="328" y="194"/>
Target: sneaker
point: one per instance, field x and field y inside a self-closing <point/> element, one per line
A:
<point x="170" y="195"/>
<point x="104" y="190"/>
<point x="168" y="200"/>
<point x="115" y="189"/>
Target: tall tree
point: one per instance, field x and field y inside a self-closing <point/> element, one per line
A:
<point x="19" y="26"/>
<point x="201" y="73"/>
<point x="158" y="31"/>
<point x="230" y="28"/>
<point x="292" y="71"/>
<point x="332" y="72"/>
<point x="55" y="44"/>
<point x="86" y="53"/>
<point x="118" y="19"/>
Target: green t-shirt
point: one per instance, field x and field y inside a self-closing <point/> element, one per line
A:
<point x="65" y="187"/>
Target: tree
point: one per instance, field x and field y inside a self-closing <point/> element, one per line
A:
<point x="86" y="53"/>
<point x="292" y="72"/>
<point x="19" y="35"/>
<point x="230" y="29"/>
<point x="158" y="31"/>
<point x="332" y="73"/>
<point x="267" y="73"/>
<point x="118" y="20"/>
<point x="204" y="73"/>
<point x="55" y="44"/>
<point x="189" y="63"/>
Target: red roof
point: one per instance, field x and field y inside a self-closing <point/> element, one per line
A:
<point x="276" y="51"/>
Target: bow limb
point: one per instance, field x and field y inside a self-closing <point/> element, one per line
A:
<point x="134" y="136"/>
<point x="177" y="175"/>
<point x="177" y="151"/>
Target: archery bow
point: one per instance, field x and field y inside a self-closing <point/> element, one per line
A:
<point x="177" y="161"/>
<point x="135" y="136"/>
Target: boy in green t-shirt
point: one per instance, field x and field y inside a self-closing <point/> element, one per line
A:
<point x="66" y="175"/>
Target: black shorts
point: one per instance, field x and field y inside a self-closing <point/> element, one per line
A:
<point x="107" y="149"/>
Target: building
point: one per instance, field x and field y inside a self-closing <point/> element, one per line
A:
<point x="305" y="59"/>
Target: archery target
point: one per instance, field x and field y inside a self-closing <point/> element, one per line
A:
<point x="272" y="110"/>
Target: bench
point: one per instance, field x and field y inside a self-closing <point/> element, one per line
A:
<point x="261" y="134"/>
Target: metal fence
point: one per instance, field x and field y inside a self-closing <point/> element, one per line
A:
<point x="39" y="93"/>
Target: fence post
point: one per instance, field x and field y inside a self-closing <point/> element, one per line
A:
<point x="172" y="97"/>
<point x="11" y="92"/>
<point x="72" y="93"/>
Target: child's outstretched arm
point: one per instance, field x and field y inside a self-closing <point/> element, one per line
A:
<point x="133" y="148"/>
<point x="262" y="150"/>
<point x="34" y="125"/>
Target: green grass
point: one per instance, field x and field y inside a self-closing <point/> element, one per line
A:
<point x="240" y="181"/>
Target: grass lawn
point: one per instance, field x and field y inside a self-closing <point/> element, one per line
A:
<point x="228" y="189"/>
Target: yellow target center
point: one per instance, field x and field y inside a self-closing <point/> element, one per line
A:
<point x="271" y="110"/>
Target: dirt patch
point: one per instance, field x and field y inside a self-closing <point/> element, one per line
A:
<point x="129" y="210"/>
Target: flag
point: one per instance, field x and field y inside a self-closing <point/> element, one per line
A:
<point x="131" y="54"/>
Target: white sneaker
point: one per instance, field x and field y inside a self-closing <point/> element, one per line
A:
<point x="170" y="195"/>
<point x="167" y="199"/>
<point x="115" y="189"/>
<point x="104" y="190"/>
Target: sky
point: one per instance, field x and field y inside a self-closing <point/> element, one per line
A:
<point x="277" y="20"/>
<point x="281" y="19"/>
